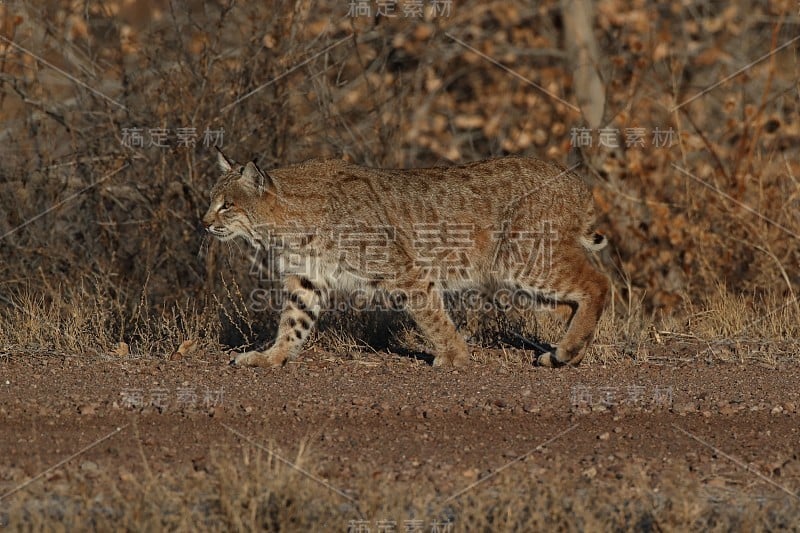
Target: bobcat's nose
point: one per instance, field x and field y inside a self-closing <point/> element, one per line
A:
<point x="203" y="227"/>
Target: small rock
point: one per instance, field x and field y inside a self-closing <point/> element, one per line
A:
<point x="90" y="469"/>
<point x="604" y="436"/>
<point x="684" y="407"/>
<point x="87" y="409"/>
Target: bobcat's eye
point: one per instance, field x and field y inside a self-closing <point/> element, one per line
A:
<point x="225" y="206"/>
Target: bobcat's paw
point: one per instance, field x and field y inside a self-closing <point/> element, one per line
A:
<point x="560" y="357"/>
<point x="459" y="360"/>
<point x="263" y="359"/>
<point x="548" y="360"/>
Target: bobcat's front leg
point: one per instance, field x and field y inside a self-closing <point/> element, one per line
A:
<point x="427" y="309"/>
<point x="303" y="302"/>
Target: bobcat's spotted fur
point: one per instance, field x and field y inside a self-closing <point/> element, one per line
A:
<point x="511" y="222"/>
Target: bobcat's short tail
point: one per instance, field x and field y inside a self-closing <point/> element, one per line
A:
<point x="594" y="242"/>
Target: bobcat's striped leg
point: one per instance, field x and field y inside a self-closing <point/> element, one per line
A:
<point x="303" y="302"/>
<point x="429" y="313"/>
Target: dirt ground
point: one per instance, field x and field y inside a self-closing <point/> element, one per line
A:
<point x="383" y="419"/>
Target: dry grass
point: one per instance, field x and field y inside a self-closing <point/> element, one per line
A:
<point x="255" y="491"/>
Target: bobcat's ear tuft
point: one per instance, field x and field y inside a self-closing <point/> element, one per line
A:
<point x="256" y="178"/>
<point x="224" y="163"/>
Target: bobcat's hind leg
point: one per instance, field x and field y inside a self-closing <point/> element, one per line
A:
<point x="303" y="302"/>
<point x="585" y="289"/>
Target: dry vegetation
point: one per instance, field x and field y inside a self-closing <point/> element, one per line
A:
<point x="256" y="493"/>
<point x="100" y="244"/>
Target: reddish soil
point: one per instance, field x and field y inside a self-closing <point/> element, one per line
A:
<point x="397" y="418"/>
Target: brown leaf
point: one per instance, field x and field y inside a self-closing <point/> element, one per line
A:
<point x="186" y="348"/>
<point x="123" y="350"/>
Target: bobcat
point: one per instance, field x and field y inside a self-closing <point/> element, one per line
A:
<point x="511" y="222"/>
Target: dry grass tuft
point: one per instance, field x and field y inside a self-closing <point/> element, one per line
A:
<point x="255" y="491"/>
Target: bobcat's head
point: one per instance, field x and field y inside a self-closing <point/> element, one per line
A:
<point x="236" y="201"/>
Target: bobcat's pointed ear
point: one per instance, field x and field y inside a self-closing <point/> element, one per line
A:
<point x="224" y="163"/>
<point x="256" y="178"/>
